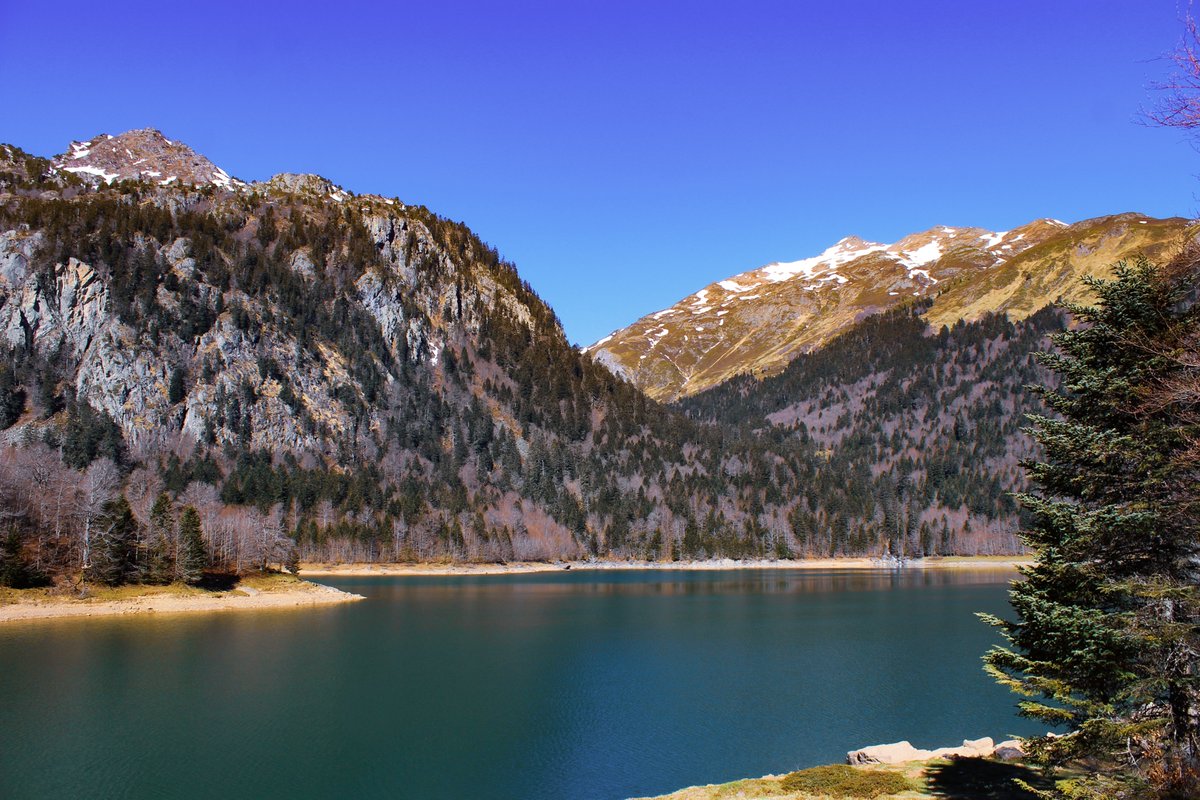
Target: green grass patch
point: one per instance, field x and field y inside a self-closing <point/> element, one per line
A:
<point x="748" y="787"/>
<point x="842" y="780"/>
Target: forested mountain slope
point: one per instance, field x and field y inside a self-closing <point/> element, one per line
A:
<point x="937" y="416"/>
<point x="356" y="376"/>
<point x="758" y="321"/>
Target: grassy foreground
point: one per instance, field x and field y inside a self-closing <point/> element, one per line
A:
<point x="952" y="779"/>
<point x="99" y="593"/>
<point x="215" y="593"/>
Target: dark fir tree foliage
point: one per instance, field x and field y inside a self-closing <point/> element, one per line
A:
<point x="12" y="397"/>
<point x="159" y="561"/>
<point x="193" y="557"/>
<point x="292" y="561"/>
<point x="175" y="390"/>
<point x="1105" y="640"/>
<point x="90" y="434"/>
<point x="15" y="569"/>
<point x="114" y="558"/>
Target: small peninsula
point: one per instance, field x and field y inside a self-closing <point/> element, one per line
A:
<point x="257" y="592"/>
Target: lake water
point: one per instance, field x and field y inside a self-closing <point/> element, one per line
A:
<point x="569" y="685"/>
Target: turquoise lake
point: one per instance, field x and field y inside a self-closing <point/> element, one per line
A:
<point x="557" y="685"/>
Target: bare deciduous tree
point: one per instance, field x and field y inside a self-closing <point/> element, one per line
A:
<point x="1179" y="101"/>
<point x="100" y="483"/>
<point x="141" y="490"/>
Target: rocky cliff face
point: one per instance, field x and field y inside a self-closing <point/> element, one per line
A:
<point x="758" y="321"/>
<point x="418" y="293"/>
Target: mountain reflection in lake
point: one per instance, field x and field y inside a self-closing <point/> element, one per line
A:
<point x="580" y="684"/>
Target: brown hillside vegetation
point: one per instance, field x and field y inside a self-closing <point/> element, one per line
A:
<point x="758" y="321"/>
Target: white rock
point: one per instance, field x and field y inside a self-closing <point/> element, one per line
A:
<point x="895" y="753"/>
<point x="899" y="752"/>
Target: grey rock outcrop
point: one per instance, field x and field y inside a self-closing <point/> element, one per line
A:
<point x="17" y="249"/>
<point x="248" y="378"/>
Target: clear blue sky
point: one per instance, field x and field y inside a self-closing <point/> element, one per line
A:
<point x="624" y="154"/>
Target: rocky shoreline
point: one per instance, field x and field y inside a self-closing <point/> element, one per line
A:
<point x="897" y="758"/>
<point x="902" y="752"/>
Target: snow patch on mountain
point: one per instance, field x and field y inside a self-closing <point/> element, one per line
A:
<point x="141" y="154"/>
<point x="843" y="252"/>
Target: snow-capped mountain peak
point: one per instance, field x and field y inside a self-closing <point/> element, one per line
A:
<point x="757" y="321"/>
<point x="143" y="154"/>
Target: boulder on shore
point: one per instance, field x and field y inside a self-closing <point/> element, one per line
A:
<point x="894" y="753"/>
<point x="1011" y="750"/>
<point x="899" y="752"/>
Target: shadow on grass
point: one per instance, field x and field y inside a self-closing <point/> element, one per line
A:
<point x="980" y="779"/>
<point x="217" y="582"/>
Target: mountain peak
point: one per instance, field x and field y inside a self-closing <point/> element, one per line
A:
<point x="142" y="154"/>
<point x="307" y="184"/>
<point x="757" y="321"/>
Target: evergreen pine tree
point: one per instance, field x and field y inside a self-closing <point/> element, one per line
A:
<point x="192" y="557"/>
<point x="292" y="564"/>
<point x="14" y="572"/>
<point x="1106" y="639"/>
<point x="175" y="390"/>
<point x="159" y="560"/>
<point x="114" y="554"/>
<point x="12" y="397"/>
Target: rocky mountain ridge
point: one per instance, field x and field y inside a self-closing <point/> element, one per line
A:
<point x="376" y="383"/>
<point x="364" y="377"/>
<point x="125" y="377"/>
<point x="143" y="154"/>
<point x="758" y="321"/>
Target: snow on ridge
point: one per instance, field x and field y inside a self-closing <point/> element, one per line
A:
<point x="844" y="251"/>
<point x="916" y="254"/>
<point x="993" y="239"/>
<point x="108" y="177"/>
<point x="925" y="254"/>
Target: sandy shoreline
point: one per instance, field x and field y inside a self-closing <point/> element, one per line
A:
<point x="302" y="595"/>
<point x="434" y="569"/>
